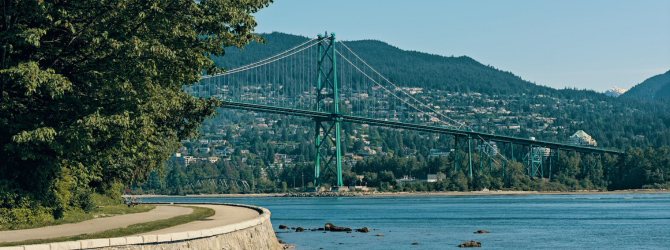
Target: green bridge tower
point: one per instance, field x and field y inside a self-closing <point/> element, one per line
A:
<point x="327" y="133"/>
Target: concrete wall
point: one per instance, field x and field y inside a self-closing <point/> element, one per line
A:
<point x="256" y="233"/>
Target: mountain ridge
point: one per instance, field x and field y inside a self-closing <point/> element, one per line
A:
<point x="653" y="88"/>
<point x="458" y="74"/>
<point x="614" y="121"/>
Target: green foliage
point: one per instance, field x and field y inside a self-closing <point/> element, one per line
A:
<point x="655" y="87"/>
<point x="21" y="216"/>
<point x="640" y="168"/>
<point x="82" y="199"/>
<point x="91" y="92"/>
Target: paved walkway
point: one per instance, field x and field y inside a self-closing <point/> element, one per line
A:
<point x="225" y="215"/>
<point x="94" y="225"/>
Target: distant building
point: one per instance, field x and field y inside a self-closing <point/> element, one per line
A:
<point x="186" y="160"/>
<point x="213" y="159"/>
<point x="582" y="138"/>
<point x="406" y="179"/>
<point x="437" y="153"/>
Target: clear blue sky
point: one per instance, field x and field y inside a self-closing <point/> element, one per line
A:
<point x="562" y="43"/>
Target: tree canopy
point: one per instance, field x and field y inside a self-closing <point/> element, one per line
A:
<point x="92" y="90"/>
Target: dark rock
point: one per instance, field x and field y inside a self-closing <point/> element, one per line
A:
<point x="293" y="228"/>
<point x="330" y="227"/>
<point x="471" y="243"/>
<point x="320" y="229"/>
<point x="299" y="229"/>
<point x="415" y="243"/>
<point x="313" y="230"/>
<point x="283" y="227"/>
<point x="481" y="232"/>
<point x="363" y="230"/>
<point x="348" y="232"/>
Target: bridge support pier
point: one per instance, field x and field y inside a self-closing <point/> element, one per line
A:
<point x="455" y="152"/>
<point x="550" y="161"/>
<point x="481" y="156"/>
<point x="470" y="154"/>
<point x="533" y="161"/>
<point x="490" y="159"/>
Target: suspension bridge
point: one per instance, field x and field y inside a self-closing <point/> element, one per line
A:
<point x="324" y="80"/>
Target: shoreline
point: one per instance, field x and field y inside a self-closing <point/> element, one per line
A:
<point x="411" y="194"/>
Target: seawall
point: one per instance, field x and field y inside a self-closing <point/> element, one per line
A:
<point x="256" y="233"/>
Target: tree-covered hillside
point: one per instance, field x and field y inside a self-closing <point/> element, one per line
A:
<point x="654" y="88"/>
<point x="409" y="68"/>
<point x="614" y="122"/>
<point x="275" y="153"/>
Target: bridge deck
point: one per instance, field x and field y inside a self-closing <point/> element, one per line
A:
<point x="417" y="127"/>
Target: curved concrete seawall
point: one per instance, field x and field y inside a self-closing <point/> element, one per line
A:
<point x="256" y="233"/>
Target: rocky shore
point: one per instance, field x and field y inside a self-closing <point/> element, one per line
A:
<point x="325" y="194"/>
<point x="332" y="228"/>
<point x="430" y="193"/>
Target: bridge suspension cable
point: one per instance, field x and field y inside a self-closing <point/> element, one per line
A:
<point x="284" y="54"/>
<point x="422" y="104"/>
<point x="395" y="86"/>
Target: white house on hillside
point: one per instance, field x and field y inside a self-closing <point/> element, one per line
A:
<point x="582" y="138"/>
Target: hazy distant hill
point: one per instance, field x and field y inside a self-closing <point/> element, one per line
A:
<point x="654" y="88"/>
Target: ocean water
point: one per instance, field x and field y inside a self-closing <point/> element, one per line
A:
<point x="591" y="221"/>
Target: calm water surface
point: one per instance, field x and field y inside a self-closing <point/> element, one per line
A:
<point x="594" y="221"/>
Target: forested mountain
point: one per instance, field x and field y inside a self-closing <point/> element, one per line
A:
<point x="410" y="68"/>
<point x="654" y="88"/>
<point x="614" y="122"/>
<point x="272" y="151"/>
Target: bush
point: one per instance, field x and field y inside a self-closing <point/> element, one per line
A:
<point x="113" y="190"/>
<point x="83" y="199"/>
<point x="25" y="216"/>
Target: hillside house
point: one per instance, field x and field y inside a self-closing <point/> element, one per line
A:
<point x="582" y="138"/>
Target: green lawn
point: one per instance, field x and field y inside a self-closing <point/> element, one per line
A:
<point x="106" y="208"/>
<point x="197" y="214"/>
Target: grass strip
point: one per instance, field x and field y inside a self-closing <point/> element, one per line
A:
<point x="79" y="216"/>
<point x="106" y="207"/>
<point x="198" y="213"/>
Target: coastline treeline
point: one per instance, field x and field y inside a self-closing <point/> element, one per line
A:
<point x="638" y="168"/>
